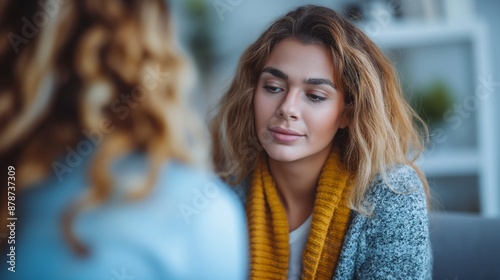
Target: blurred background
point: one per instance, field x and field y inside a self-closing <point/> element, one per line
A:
<point x="444" y="51"/>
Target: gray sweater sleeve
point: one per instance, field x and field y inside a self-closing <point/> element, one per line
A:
<point x="394" y="242"/>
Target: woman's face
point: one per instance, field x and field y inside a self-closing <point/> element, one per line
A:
<point x="297" y="106"/>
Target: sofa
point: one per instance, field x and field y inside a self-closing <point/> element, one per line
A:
<point x="465" y="246"/>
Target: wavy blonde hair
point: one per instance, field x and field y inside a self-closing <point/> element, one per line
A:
<point x="381" y="132"/>
<point x="70" y="75"/>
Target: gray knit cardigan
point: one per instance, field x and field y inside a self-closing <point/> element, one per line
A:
<point x="393" y="243"/>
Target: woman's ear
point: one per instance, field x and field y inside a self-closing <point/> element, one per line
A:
<point x="346" y="117"/>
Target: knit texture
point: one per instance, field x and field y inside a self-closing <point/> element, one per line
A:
<point x="393" y="242"/>
<point x="268" y="224"/>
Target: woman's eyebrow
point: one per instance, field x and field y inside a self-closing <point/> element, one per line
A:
<point x="275" y="72"/>
<point x="311" y="81"/>
<point x="319" y="81"/>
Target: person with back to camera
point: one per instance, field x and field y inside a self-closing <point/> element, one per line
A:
<point x="316" y="137"/>
<point x="110" y="181"/>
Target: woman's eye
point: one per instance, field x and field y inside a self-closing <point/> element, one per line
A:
<point x="315" y="98"/>
<point x="272" y="89"/>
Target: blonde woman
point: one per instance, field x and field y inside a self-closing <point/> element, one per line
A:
<point x="315" y="134"/>
<point x="100" y="153"/>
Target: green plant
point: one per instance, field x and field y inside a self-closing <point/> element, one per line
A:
<point x="201" y="42"/>
<point x="432" y="102"/>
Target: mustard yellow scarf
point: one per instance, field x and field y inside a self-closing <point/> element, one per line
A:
<point x="268" y="224"/>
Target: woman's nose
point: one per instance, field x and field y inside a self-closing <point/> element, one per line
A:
<point x="289" y="108"/>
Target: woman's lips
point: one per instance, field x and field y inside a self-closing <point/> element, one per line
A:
<point x="285" y="135"/>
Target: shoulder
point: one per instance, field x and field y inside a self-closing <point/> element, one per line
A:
<point x="393" y="241"/>
<point x="398" y="204"/>
<point x="188" y="187"/>
<point x="198" y="189"/>
<point x="212" y="216"/>
<point x="188" y="209"/>
<point x="400" y="188"/>
<point x="401" y="179"/>
<point x="194" y="212"/>
<point x="176" y="181"/>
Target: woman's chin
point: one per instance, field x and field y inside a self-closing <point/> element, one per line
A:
<point x="284" y="155"/>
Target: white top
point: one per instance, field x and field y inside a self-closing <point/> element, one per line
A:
<point x="298" y="240"/>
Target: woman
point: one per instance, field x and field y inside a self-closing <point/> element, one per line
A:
<point x="315" y="134"/>
<point x="101" y="151"/>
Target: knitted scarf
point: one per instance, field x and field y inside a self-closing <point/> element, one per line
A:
<point x="268" y="224"/>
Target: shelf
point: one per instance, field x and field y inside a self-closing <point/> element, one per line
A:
<point x="450" y="162"/>
<point x="417" y="34"/>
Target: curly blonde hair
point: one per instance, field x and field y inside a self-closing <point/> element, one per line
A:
<point x="382" y="130"/>
<point x="110" y="67"/>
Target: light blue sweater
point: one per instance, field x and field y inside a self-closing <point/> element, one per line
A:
<point x="190" y="226"/>
<point x="393" y="243"/>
